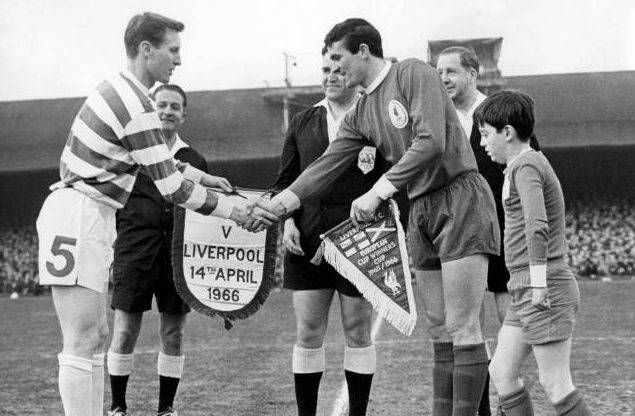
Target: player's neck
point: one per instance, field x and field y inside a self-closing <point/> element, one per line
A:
<point x="341" y="107"/>
<point x="374" y="69"/>
<point x="170" y="138"/>
<point x="466" y="101"/>
<point x="138" y="69"/>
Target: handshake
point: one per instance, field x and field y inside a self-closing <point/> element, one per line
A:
<point x="255" y="214"/>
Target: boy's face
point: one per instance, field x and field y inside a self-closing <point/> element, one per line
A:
<point x="495" y="143"/>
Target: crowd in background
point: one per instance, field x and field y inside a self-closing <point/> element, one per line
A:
<point x="600" y="234"/>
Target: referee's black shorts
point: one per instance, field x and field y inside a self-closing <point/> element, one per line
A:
<point x="135" y="285"/>
<point x="301" y="274"/>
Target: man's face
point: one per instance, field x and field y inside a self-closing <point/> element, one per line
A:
<point x="456" y="78"/>
<point x="495" y="143"/>
<point x="333" y="82"/>
<point x="351" y="66"/>
<point x="169" y="105"/>
<point x="164" y="58"/>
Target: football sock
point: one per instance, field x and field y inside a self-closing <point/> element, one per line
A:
<point x="308" y="366"/>
<point x="119" y="368"/>
<point x="170" y="370"/>
<point x="484" y="407"/>
<point x="470" y="372"/>
<point x="442" y="379"/>
<point x="98" y="385"/>
<point x="359" y="368"/>
<point x="75" y="384"/>
<point x="517" y="403"/>
<point x="572" y="405"/>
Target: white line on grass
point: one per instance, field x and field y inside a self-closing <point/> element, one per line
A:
<point x="342" y="398"/>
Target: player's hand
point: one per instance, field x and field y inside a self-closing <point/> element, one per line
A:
<point x="291" y="237"/>
<point x="273" y="206"/>
<point x="259" y="217"/>
<point x="540" y="299"/>
<point x="212" y="181"/>
<point x="363" y="208"/>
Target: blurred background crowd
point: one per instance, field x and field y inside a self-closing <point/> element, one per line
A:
<point x="600" y="234"/>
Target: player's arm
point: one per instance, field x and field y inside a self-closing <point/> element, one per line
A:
<point x="424" y="93"/>
<point x="529" y="184"/>
<point x="325" y="170"/>
<point x="145" y="142"/>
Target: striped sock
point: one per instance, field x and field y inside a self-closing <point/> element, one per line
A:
<point x="359" y="368"/>
<point x="308" y="367"/>
<point x="442" y="378"/>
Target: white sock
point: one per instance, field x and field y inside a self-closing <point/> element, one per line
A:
<point x="170" y="365"/>
<point x="119" y="364"/>
<point x="360" y="360"/>
<point x="98" y="385"/>
<point x="75" y="384"/>
<point x="306" y="361"/>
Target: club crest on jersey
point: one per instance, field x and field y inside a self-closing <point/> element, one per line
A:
<point x="366" y="159"/>
<point x="398" y="114"/>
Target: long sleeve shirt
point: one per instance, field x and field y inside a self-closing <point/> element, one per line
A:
<point x="408" y="116"/>
<point x="534" y="212"/>
<point x="116" y="132"/>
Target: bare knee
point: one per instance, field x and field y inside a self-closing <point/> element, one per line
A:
<point x="83" y="341"/>
<point x="124" y="339"/>
<point x="171" y="340"/>
<point x="310" y="333"/>
<point x="436" y="326"/>
<point x="465" y="331"/>
<point x="357" y="332"/>
<point x="556" y="386"/>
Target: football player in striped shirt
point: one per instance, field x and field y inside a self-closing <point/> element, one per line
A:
<point x="115" y="133"/>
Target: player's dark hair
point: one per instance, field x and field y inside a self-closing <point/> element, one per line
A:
<point x="171" y="87"/>
<point x="508" y="107"/>
<point x="467" y="57"/>
<point x="148" y="26"/>
<point x="354" y="32"/>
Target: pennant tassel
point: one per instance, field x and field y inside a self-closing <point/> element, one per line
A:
<point x="385" y="307"/>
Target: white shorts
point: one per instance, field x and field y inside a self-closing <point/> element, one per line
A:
<point x="76" y="236"/>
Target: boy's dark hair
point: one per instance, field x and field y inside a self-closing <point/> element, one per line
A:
<point x="467" y="57"/>
<point x="508" y="107"/>
<point x="148" y="26"/>
<point x="171" y="87"/>
<point x="355" y="32"/>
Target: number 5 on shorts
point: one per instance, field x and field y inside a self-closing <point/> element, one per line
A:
<point x="57" y="249"/>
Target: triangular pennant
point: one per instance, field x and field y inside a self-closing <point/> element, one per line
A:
<point x="374" y="258"/>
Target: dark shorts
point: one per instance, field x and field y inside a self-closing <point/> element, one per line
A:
<point x="134" y="287"/>
<point x="301" y="274"/>
<point x="453" y="222"/>
<point x="544" y="326"/>
<point x="497" y="274"/>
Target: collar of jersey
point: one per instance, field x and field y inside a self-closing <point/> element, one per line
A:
<point x="378" y="80"/>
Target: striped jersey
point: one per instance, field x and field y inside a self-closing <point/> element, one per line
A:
<point x="117" y="132"/>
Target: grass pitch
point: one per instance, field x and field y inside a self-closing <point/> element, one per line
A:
<point x="246" y="371"/>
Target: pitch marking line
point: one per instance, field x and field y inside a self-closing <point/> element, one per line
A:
<point x="342" y="398"/>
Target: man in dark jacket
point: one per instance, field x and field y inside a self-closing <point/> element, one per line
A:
<point x="142" y="268"/>
<point x="313" y="286"/>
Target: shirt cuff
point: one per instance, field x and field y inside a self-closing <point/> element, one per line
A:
<point x="538" y="275"/>
<point x="288" y="199"/>
<point x="223" y="208"/>
<point x="193" y="174"/>
<point x="384" y="188"/>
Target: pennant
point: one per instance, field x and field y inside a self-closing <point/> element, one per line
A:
<point x="219" y="268"/>
<point x="374" y="258"/>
